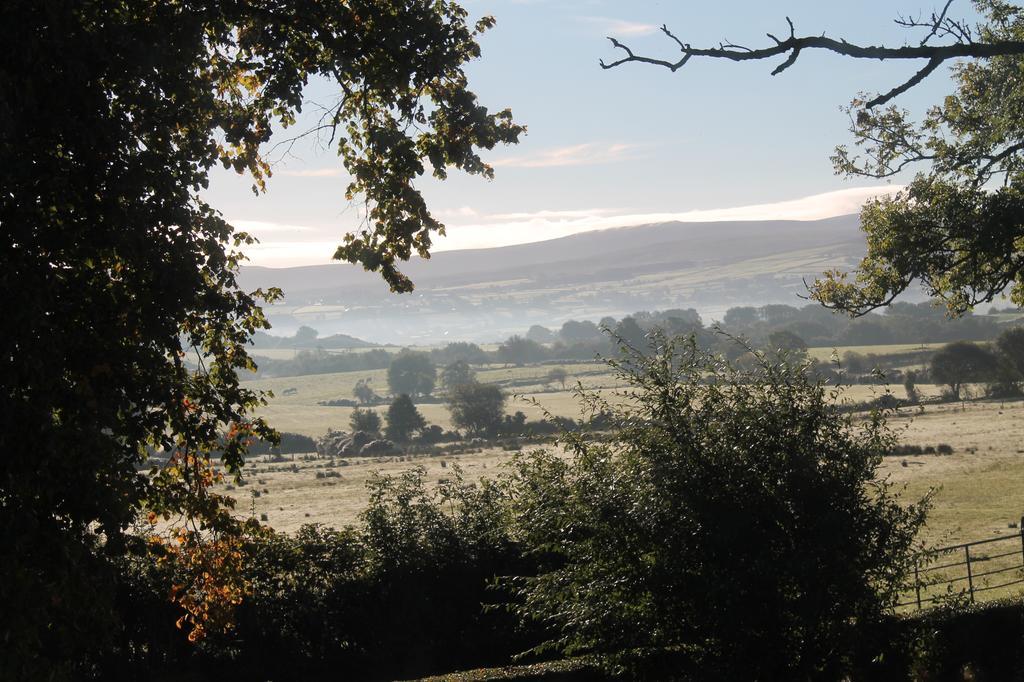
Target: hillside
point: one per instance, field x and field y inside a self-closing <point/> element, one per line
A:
<point x="482" y="294"/>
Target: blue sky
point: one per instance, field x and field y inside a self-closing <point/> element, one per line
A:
<point x="715" y="140"/>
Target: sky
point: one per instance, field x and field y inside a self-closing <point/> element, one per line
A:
<point x="638" y="144"/>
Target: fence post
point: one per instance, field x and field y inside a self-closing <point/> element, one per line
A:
<point x="1021" y="527"/>
<point x="917" y="580"/>
<point x="970" y="576"/>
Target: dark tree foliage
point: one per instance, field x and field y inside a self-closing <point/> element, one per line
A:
<point x="456" y="374"/>
<point x="540" y="334"/>
<point x="1011" y="347"/>
<point x="631" y="333"/>
<point x="124" y="326"/>
<point x="411" y="372"/>
<point x="403" y="419"/>
<point x="958" y="227"/>
<point x="460" y="350"/>
<point x="734" y="519"/>
<point x="786" y="341"/>
<point x="477" y="408"/>
<point x="963" y="362"/>
<point x="519" y="351"/>
<point x="574" y="331"/>
<point x="398" y="596"/>
<point x="365" y="420"/>
<point x="291" y="443"/>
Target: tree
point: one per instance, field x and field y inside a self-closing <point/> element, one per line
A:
<point x="403" y="419"/>
<point x="519" y="351"/>
<point x="740" y="318"/>
<point x="1011" y="347"/>
<point x="957" y="227"/>
<point x="573" y="331"/>
<point x="305" y="335"/>
<point x="363" y="392"/>
<point x="787" y="342"/>
<point x="540" y="334"/>
<point x="456" y="374"/>
<point x="962" y="362"/>
<point x="124" y="324"/>
<point x="365" y="420"/>
<point x="558" y="374"/>
<point x="411" y="372"/>
<point x="460" y="350"/>
<point x="629" y="332"/>
<point x="910" y="386"/>
<point x="477" y="408"/>
<point x="738" y="523"/>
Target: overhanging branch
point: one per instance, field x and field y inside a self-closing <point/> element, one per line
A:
<point x="792" y="47"/>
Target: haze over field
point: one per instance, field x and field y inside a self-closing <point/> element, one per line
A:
<point x="486" y="294"/>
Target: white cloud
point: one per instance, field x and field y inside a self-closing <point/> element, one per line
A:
<point x="586" y="154"/>
<point x="285" y="254"/>
<point x="261" y="227"/>
<point x="312" y="173"/>
<point x="284" y="245"/>
<point x="618" y="28"/>
<point x="522" y="228"/>
<point x="460" y="212"/>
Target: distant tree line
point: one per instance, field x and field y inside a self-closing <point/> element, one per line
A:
<point x="765" y="327"/>
<point x="307" y="337"/>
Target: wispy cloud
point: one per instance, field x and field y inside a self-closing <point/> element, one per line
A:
<point x="589" y="153"/>
<point x="618" y="27"/>
<point x="460" y="212"/>
<point x="312" y="173"/>
<point x="260" y="227"/>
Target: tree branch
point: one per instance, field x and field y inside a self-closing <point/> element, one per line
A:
<point x="793" y="46"/>
<point x="933" y="64"/>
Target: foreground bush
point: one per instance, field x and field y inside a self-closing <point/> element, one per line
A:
<point x="726" y="526"/>
<point x="400" y="596"/>
<point x="731" y="525"/>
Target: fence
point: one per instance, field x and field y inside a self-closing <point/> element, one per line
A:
<point x="966" y="570"/>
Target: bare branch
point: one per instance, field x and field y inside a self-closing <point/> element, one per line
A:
<point x="933" y="64"/>
<point x="791" y="47"/>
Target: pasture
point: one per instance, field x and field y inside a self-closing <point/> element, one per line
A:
<point x="826" y="353"/>
<point x="979" y="485"/>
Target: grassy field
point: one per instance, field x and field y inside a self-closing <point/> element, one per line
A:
<point x="979" y="486"/>
<point x="825" y="353"/>
<point x="294" y="405"/>
<point x="289" y="353"/>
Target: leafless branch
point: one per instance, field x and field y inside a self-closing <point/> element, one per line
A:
<point x="940" y="25"/>
<point x="933" y="63"/>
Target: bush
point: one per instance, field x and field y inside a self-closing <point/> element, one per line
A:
<point x="291" y="443"/>
<point x="365" y="420"/>
<point x="735" y="519"/>
<point x="477" y="408"/>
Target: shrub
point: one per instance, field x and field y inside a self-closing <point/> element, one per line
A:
<point x="733" y="519"/>
<point x="403" y="419"/>
<point x="477" y="408"/>
<point x="365" y="420"/>
<point x="291" y="443"/>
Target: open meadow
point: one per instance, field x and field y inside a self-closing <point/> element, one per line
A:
<point x="980" y="483"/>
<point x="978" y="486"/>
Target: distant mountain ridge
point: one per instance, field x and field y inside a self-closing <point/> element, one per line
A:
<point x="468" y="293"/>
<point x="670" y="243"/>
